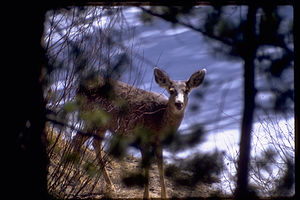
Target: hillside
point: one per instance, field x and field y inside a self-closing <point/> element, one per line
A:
<point x="74" y="176"/>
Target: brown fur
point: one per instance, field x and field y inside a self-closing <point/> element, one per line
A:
<point x="128" y="108"/>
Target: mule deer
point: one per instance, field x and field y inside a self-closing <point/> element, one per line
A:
<point x="130" y="108"/>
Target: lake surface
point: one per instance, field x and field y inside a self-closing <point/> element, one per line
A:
<point x="217" y="104"/>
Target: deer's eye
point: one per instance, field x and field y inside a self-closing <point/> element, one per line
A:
<point x="186" y="91"/>
<point x="172" y="91"/>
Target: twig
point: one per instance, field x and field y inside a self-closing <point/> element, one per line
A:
<point x="88" y="134"/>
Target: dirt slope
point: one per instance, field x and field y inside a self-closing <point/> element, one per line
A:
<point x="79" y="176"/>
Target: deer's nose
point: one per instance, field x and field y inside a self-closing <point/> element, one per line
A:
<point x="179" y="105"/>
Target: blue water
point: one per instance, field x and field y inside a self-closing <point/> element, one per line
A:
<point x="180" y="52"/>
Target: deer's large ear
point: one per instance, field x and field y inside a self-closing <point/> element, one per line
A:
<point x="196" y="79"/>
<point x="162" y="78"/>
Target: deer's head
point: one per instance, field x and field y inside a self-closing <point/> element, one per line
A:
<point x="178" y="90"/>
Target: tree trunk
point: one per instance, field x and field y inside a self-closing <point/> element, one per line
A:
<point x="248" y="56"/>
<point x="26" y="59"/>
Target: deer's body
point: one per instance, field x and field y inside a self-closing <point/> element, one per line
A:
<point x="129" y="108"/>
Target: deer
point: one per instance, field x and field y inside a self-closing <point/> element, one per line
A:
<point x="129" y="108"/>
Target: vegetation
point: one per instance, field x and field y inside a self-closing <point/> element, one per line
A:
<point x="78" y="46"/>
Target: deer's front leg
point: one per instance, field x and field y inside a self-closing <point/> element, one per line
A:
<point x="160" y="163"/>
<point x="146" y="166"/>
<point x="146" y="191"/>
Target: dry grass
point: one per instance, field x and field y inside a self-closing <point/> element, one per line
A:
<point x="78" y="176"/>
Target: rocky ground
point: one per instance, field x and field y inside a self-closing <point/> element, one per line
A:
<point x="79" y="177"/>
<point x="131" y="164"/>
